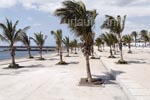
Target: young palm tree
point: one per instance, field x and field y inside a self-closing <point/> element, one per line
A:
<point x="99" y="42"/>
<point x="109" y="38"/>
<point x="11" y="35"/>
<point x="71" y="45"/>
<point x="77" y="10"/>
<point x="128" y="39"/>
<point x="39" y="39"/>
<point x="58" y="37"/>
<point x="134" y="34"/>
<point x="66" y="41"/>
<point x="144" y="36"/>
<point x="75" y="44"/>
<point x="25" y="39"/>
<point x="149" y="38"/>
<point x="116" y="25"/>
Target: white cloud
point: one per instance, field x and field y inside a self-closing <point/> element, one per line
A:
<point x="7" y="3"/>
<point x="129" y="7"/>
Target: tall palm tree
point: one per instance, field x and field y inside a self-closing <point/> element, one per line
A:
<point x="127" y="39"/>
<point x="39" y="39"/>
<point x="144" y="36"/>
<point x="66" y="41"/>
<point x="11" y="35"/>
<point x="25" y="39"/>
<point x="134" y="34"/>
<point x="99" y="42"/>
<point x="58" y="37"/>
<point x="81" y="21"/>
<point x="116" y="25"/>
<point x="109" y="38"/>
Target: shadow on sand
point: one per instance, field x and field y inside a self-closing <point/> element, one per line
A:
<point x="21" y="69"/>
<point x="136" y="62"/>
<point x="109" y="77"/>
<point x="73" y="62"/>
<point x="30" y="66"/>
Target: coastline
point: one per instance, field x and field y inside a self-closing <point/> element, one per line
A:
<point x="7" y="61"/>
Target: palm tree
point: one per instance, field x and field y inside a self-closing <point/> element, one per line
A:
<point x="25" y="39"/>
<point x="109" y="38"/>
<point x="39" y="39"/>
<point x="134" y="34"/>
<point x="81" y="21"/>
<point x="75" y="44"/>
<point x="99" y="42"/>
<point x="116" y="25"/>
<point x="127" y="39"/>
<point x="11" y="35"/>
<point x="66" y="41"/>
<point x="144" y="36"/>
<point x="149" y="38"/>
<point x="58" y="37"/>
<point x="71" y="45"/>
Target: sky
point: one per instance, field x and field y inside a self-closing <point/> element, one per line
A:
<point x="39" y="14"/>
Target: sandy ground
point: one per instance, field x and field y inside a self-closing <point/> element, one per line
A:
<point x="135" y="76"/>
<point x="43" y="80"/>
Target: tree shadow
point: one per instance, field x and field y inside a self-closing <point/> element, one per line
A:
<point x="30" y="66"/>
<point x="21" y="69"/>
<point x="74" y="56"/>
<point x="136" y="62"/>
<point x="73" y="62"/>
<point x="109" y="77"/>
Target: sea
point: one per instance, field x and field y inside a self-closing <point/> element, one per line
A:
<point x="18" y="54"/>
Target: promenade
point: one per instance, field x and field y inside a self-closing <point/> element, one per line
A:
<point x="43" y="80"/>
<point x="134" y="77"/>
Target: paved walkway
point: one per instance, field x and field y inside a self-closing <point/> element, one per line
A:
<point x="43" y="80"/>
<point x="134" y="77"/>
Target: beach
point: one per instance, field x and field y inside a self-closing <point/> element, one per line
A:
<point x="44" y="80"/>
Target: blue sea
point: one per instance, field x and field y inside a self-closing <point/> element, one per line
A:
<point x="6" y="54"/>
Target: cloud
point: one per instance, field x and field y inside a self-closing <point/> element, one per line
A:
<point x="129" y="7"/>
<point x="7" y="3"/>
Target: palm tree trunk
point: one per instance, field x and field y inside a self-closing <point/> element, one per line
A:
<point x="111" y="54"/>
<point x="68" y="51"/>
<point x="89" y="76"/>
<point x="12" y="53"/>
<point x="98" y="48"/>
<point x="75" y="50"/>
<point x="41" y="53"/>
<point x="135" y="42"/>
<point x="103" y="46"/>
<point x="120" y="48"/>
<point x="114" y="48"/>
<point x="145" y="43"/>
<point x="60" y="49"/>
<point x="129" y="45"/>
<point x="29" y="52"/>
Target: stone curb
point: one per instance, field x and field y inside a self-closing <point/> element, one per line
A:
<point x="119" y="81"/>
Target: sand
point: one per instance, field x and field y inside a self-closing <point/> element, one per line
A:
<point x="43" y="80"/>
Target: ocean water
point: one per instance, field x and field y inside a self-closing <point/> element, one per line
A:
<point x="6" y="54"/>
